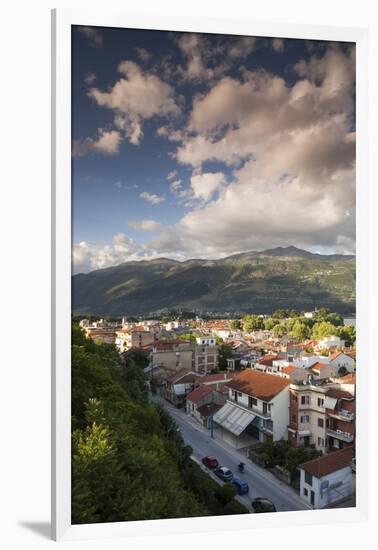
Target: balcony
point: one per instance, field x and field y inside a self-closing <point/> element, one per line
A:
<point x="338" y="434"/>
<point x="254" y="410"/>
<point x="342" y="414"/>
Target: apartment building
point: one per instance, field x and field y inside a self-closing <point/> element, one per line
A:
<point x="135" y="337"/>
<point x="173" y="355"/>
<point x="307" y="416"/>
<point x="206" y="355"/>
<point x="107" y="335"/>
<point x="321" y="415"/>
<point x="340" y="422"/>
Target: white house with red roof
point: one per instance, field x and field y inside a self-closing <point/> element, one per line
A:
<point x="341" y="360"/>
<point x="328" y="479"/>
<point x="293" y="373"/>
<point x="257" y="408"/>
<point x="330" y="342"/>
<point x="322" y="370"/>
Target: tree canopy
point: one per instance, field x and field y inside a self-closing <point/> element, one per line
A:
<point x="252" y="322"/>
<point x="129" y="461"/>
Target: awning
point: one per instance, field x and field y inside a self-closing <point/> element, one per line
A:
<point x="330" y="402"/>
<point x="303" y="433"/>
<point x="233" y="418"/>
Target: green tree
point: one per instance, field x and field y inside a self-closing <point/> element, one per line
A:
<point x="225" y="352"/>
<point x="347" y="333"/>
<point x="270" y="322"/>
<point x="227" y="492"/>
<point x="235" y="324"/>
<point x="280" y="314"/>
<point x="322" y="329"/>
<point x="280" y="330"/>
<point x="299" y="331"/>
<point x="252" y="322"/>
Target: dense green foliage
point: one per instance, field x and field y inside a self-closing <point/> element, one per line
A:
<point x="252" y="322"/>
<point x="129" y="461"/>
<point x="281" y="453"/>
<point x="323" y="323"/>
<point x="225" y="352"/>
<point x="278" y="279"/>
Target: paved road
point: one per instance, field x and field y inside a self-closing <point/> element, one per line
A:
<point x="261" y="482"/>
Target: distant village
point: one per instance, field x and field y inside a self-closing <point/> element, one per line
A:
<point x="256" y="385"/>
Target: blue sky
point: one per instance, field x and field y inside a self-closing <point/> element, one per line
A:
<point x="188" y="145"/>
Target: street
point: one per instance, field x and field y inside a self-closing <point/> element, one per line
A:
<point x="261" y="482"/>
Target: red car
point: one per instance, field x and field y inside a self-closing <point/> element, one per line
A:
<point x="210" y="462"/>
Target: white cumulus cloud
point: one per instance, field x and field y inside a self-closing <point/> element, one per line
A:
<point x="107" y="142"/>
<point x="151" y="197"/>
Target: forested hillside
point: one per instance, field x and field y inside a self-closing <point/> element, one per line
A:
<point x="129" y="461"/>
<point x="257" y="282"/>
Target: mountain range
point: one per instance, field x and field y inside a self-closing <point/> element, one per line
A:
<point x="259" y="282"/>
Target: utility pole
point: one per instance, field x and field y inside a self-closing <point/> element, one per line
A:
<point x="211" y="417"/>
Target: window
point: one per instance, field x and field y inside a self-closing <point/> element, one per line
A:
<point x="305" y="492"/>
<point x="320" y="422"/>
<point x="305" y="419"/>
<point x="320" y="402"/>
<point x="308" y="478"/>
<point x="320" y="442"/>
<point x="305" y="399"/>
<point x="252" y="402"/>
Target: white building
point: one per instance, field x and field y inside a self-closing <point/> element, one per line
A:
<point x="329" y="342"/>
<point x="306" y="361"/>
<point x="340" y="359"/>
<point x="257" y="409"/>
<point x="328" y="479"/>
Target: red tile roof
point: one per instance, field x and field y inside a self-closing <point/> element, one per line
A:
<point x="268" y="359"/>
<point x="348" y="378"/>
<point x="324" y="465"/>
<point x="259" y="384"/>
<point x="320" y="366"/>
<point x="218" y="377"/>
<point x="199" y="393"/>
<point x="180" y="375"/>
<point x="289" y="369"/>
<point x="339" y="394"/>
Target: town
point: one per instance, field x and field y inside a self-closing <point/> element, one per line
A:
<point x="266" y="402"/>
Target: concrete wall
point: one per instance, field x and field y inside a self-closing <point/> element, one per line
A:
<point x="280" y="414"/>
<point x="171" y="361"/>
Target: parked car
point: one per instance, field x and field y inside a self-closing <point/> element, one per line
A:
<point x="210" y="462"/>
<point x="224" y="473"/>
<point x="260" y="505"/>
<point x="241" y="486"/>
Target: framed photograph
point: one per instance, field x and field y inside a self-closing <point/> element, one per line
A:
<point x="210" y="254"/>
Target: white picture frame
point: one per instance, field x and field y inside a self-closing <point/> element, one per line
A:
<point x="61" y="271"/>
